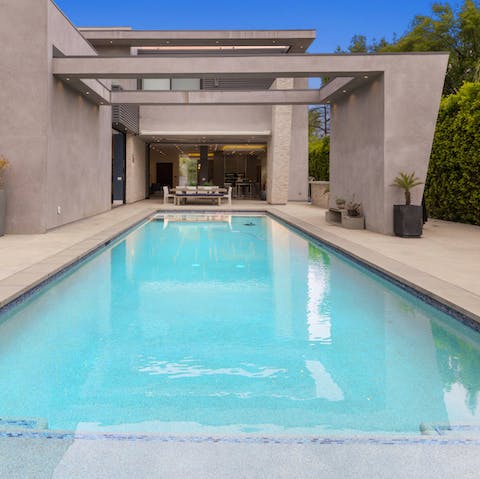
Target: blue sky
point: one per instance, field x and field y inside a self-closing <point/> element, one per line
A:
<point x="335" y="21"/>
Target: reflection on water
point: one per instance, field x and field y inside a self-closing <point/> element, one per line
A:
<point x="458" y="362"/>
<point x="318" y="317"/>
<point x="233" y="328"/>
<point x="325" y="386"/>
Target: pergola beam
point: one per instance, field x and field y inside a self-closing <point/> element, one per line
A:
<point x="208" y="97"/>
<point x="233" y="66"/>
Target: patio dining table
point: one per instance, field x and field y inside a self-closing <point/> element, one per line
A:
<point x="199" y="192"/>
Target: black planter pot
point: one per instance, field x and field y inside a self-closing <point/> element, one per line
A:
<point x="407" y="220"/>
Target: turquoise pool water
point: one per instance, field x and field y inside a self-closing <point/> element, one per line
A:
<point x="239" y="326"/>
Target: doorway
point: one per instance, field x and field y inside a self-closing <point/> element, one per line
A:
<point x="164" y="175"/>
<point x="118" y="167"/>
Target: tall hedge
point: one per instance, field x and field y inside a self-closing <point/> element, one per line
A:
<point x="319" y="158"/>
<point x="452" y="190"/>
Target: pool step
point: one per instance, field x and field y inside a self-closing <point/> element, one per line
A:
<point x="450" y="430"/>
<point x="15" y="424"/>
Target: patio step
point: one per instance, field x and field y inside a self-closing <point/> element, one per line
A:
<point x="15" y="424"/>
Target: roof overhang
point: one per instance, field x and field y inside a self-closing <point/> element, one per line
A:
<point x="297" y="40"/>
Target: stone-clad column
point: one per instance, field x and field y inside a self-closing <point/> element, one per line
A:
<point x="279" y="148"/>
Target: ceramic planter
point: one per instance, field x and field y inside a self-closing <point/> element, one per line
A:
<point x="407" y="220"/>
<point x="353" y="222"/>
<point x="319" y="193"/>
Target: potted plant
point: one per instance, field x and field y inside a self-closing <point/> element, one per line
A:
<point x="340" y="202"/>
<point x="3" y="198"/>
<point x="353" y="208"/>
<point x="407" y="218"/>
<point x="353" y="219"/>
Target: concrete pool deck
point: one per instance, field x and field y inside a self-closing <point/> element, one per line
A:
<point x="22" y="458"/>
<point x="444" y="263"/>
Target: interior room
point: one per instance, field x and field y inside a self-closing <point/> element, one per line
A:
<point x="241" y="165"/>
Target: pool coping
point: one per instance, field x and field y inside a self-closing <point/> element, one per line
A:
<point x="21" y="285"/>
<point x="452" y="299"/>
<point x="445" y="296"/>
<point x="334" y="439"/>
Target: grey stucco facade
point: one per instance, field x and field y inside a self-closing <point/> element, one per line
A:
<point x="58" y="143"/>
<point x="57" y="123"/>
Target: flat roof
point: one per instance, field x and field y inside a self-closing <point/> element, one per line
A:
<point x="298" y="41"/>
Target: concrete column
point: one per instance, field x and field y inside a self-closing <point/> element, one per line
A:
<point x="218" y="169"/>
<point x="384" y="127"/>
<point x="135" y="169"/>
<point x="279" y="148"/>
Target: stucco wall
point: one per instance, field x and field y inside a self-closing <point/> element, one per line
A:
<point x="357" y="151"/>
<point x="58" y="144"/>
<point x="205" y="119"/>
<point x="24" y="107"/>
<point x="79" y="138"/>
<point x="383" y="128"/>
<point x="413" y="88"/>
<point x="136" y="169"/>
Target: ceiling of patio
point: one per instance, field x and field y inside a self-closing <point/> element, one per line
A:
<point x="227" y="149"/>
<point x="205" y="139"/>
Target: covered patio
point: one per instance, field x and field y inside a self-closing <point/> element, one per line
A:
<point x="383" y="111"/>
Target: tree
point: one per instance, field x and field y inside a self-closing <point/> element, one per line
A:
<point x="447" y="29"/>
<point x="457" y="32"/>
<point x="319" y="121"/>
<point x="358" y="44"/>
<point x="319" y="142"/>
<point x="319" y="158"/>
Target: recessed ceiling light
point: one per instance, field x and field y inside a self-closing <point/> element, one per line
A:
<point x="87" y="93"/>
<point x="68" y="79"/>
<point x="365" y="76"/>
<point x="344" y="91"/>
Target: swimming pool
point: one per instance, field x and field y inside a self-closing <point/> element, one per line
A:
<point x="234" y="325"/>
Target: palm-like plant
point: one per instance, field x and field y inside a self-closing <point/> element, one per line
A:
<point x="406" y="182"/>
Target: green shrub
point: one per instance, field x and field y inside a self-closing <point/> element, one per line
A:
<point x="452" y="190"/>
<point x="319" y="158"/>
